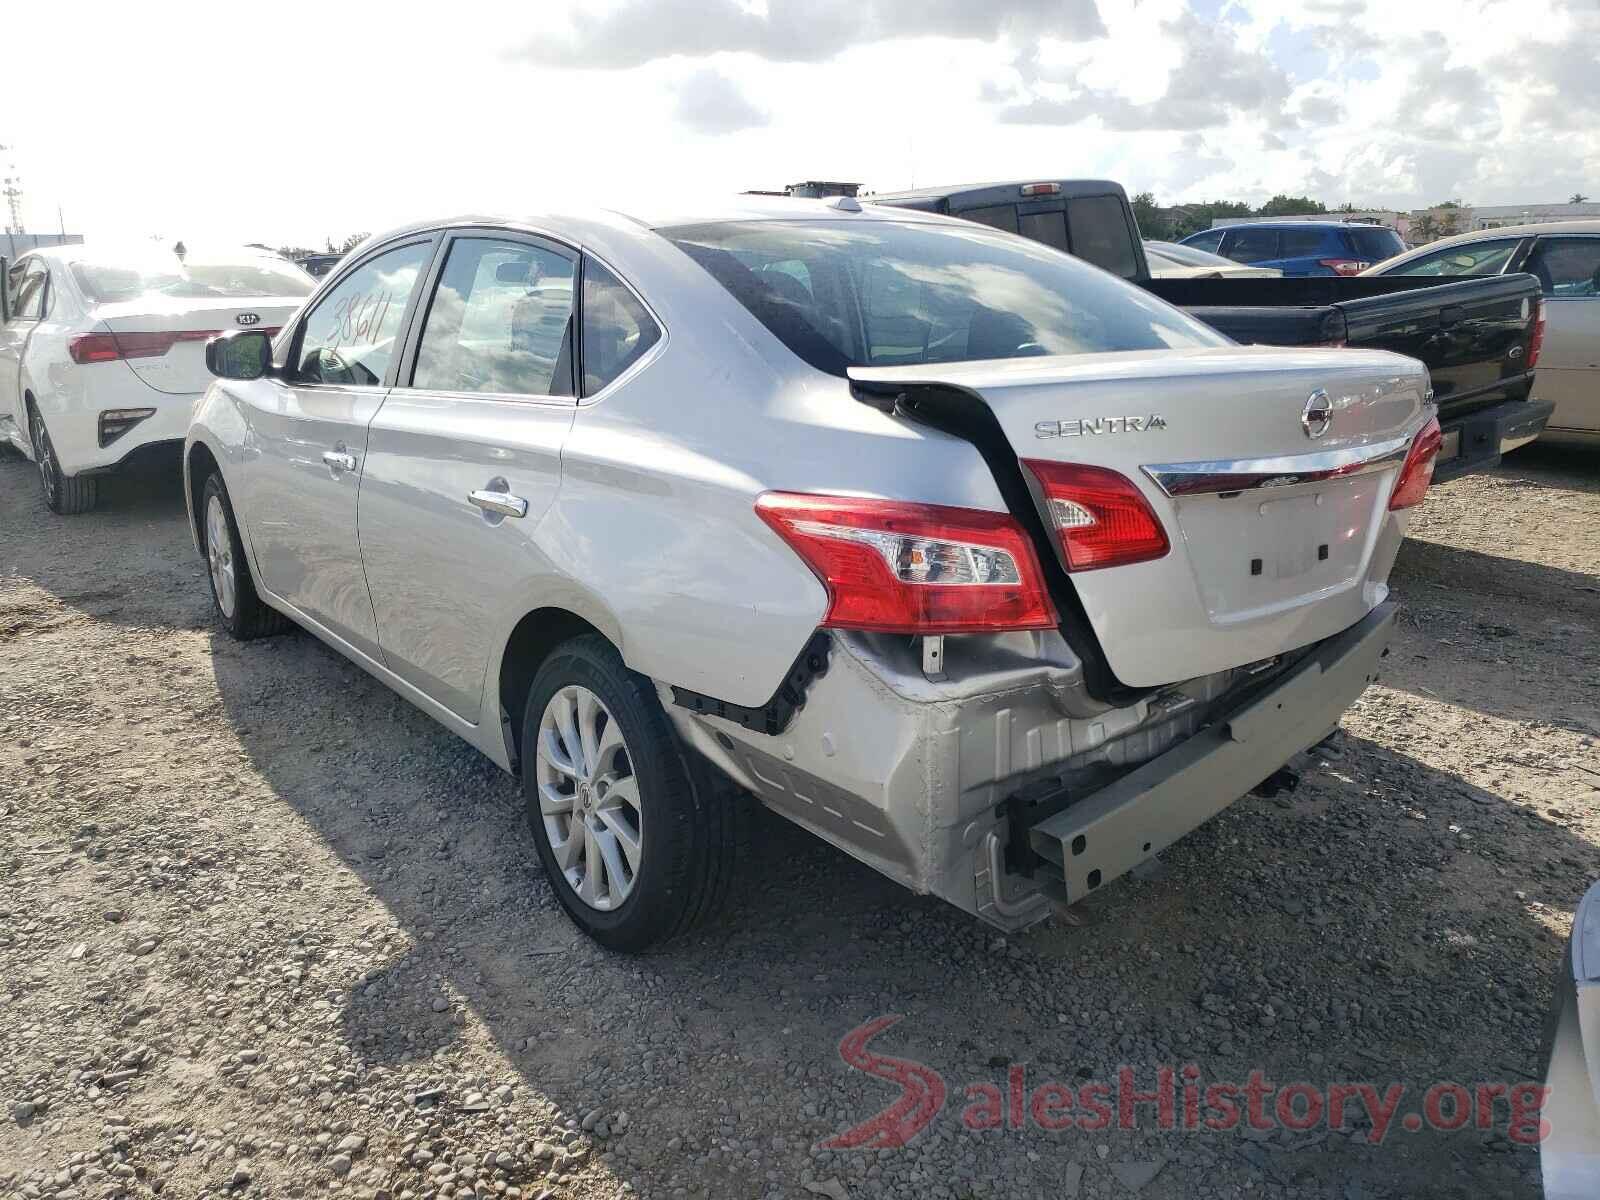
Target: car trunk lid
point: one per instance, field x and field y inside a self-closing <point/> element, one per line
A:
<point x="163" y="338"/>
<point x="1275" y="519"/>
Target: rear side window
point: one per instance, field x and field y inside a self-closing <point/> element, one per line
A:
<point x="1375" y="245"/>
<point x="1300" y="243"/>
<point x="618" y="330"/>
<point x="349" y="337"/>
<point x="499" y="321"/>
<point x="1253" y="245"/>
<point x="883" y="293"/>
<point x="1100" y="234"/>
<point x="1568" y="268"/>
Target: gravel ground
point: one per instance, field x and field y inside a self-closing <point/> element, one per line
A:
<point x="265" y="930"/>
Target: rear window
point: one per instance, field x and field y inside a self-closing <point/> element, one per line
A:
<point x="877" y="293"/>
<point x="128" y="275"/>
<point x="1100" y="234"/>
<point x="1375" y="245"/>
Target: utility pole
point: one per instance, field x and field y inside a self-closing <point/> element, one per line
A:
<point x="13" y="194"/>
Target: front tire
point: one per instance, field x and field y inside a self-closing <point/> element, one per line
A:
<point x="233" y="592"/>
<point x="634" y="851"/>
<point x="63" y="495"/>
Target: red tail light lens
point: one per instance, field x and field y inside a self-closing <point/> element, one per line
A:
<point x="1343" y="266"/>
<point x="108" y="347"/>
<point x="894" y="567"/>
<point x="1536" y="342"/>
<point x="1102" y="519"/>
<point x="1417" y="474"/>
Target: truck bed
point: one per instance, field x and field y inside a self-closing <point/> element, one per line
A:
<point x="1473" y="334"/>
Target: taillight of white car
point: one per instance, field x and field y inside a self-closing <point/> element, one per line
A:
<point x="897" y="567"/>
<point x="1412" y="485"/>
<point x="1100" y="517"/>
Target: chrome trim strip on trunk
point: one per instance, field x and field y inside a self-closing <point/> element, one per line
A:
<point x="1212" y="476"/>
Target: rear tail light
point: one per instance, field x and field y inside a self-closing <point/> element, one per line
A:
<point x="894" y="567"/>
<point x="1343" y="266"/>
<point x="1417" y="474"/>
<point x="108" y="347"/>
<point x="1536" y="342"/>
<point x="1101" y="518"/>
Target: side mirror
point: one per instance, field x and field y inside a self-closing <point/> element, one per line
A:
<point x="243" y="354"/>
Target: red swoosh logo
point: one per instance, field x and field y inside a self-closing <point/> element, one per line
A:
<point x="921" y="1092"/>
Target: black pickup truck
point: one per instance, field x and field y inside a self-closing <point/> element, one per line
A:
<point x="1478" y="336"/>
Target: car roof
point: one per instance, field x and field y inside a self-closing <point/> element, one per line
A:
<point x="1296" y="225"/>
<point x="1069" y="189"/>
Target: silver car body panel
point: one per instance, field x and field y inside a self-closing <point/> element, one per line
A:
<point x="1569" y="1154"/>
<point x="640" y="520"/>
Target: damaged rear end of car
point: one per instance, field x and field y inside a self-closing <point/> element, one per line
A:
<point x="1186" y="588"/>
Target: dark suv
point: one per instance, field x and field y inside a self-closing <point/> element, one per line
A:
<point x="1302" y="247"/>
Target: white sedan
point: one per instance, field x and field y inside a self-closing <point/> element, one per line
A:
<point x="102" y="353"/>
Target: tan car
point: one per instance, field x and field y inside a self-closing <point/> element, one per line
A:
<point x="1565" y="255"/>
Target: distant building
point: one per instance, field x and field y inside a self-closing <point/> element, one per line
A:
<point x="811" y="188"/>
<point x="1498" y="215"/>
<point x="822" y="187"/>
<point x="21" y="243"/>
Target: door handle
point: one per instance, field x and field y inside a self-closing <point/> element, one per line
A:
<point x="503" y="503"/>
<point x="339" y="460"/>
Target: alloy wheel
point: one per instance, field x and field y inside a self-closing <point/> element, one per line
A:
<point x="589" y="798"/>
<point x="219" y="556"/>
<point x="44" y="454"/>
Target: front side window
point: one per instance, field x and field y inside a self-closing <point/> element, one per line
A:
<point x="499" y="321"/>
<point x="1209" y="240"/>
<point x="1099" y="230"/>
<point x="1253" y="245"/>
<point x="618" y="331"/>
<point x="349" y="337"/>
<point x="27" y="283"/>
<point x="1480" y="258"/>
<point x="1568" y="268"/>
<point x="884" y="293"/>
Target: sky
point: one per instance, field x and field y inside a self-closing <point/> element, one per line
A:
<point x="293" y="123"/>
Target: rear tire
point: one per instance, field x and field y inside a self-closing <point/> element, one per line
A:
<point x="63" y="495"/>
<point x="233" y="592"/>
<point x="636" y="853"/>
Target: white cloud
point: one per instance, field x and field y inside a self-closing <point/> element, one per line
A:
<point x="217" y="123"/>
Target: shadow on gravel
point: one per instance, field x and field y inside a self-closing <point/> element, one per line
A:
<point x="1373" y="909"/>
<point x="128" y="561"/>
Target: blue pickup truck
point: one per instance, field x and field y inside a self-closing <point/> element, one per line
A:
<point x="1302" y="247"/>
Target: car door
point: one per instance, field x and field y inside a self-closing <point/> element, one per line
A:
<point x="25" y="285"/>
<point x="464" y="459"/>
<point x="307" y="439"/>
<point x="1568" y="267"/>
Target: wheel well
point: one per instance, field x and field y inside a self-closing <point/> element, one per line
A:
<point x="531" y="642"/>
<point x="201" y="464"/>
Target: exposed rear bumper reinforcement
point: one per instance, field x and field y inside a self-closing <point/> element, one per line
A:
<point x="1110" y="832"/>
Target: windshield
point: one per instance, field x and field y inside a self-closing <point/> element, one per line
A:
<point x="879" y="293"/>
<point x="112" y="277"/>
